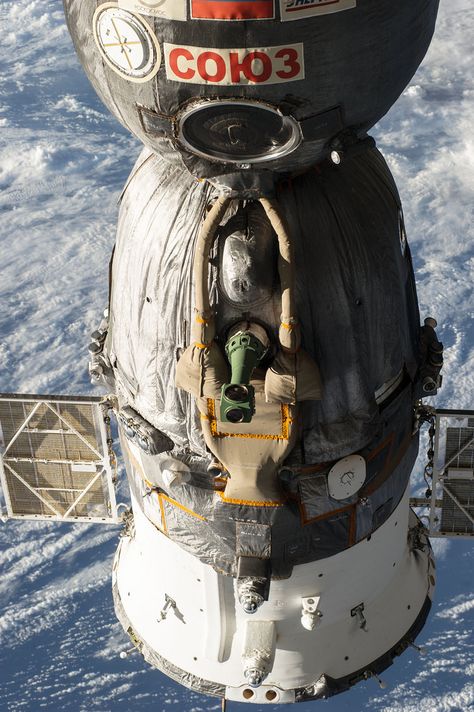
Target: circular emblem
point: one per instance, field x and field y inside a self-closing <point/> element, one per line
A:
<point x="126" y="43"/>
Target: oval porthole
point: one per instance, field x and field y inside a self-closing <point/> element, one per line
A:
<point x="238" y="131"/>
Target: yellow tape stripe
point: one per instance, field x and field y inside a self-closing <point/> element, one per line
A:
<point x="286" y="420"/>
<point x="179" y="506"/>
<point x="161" y="497"/>
<point x="149" y="484"/>
<point x="321" y="517"/>
<point x="201" y="320"/>
<point x="198" y="345"/>
<point x="251" y="502"/>
<point x="163" y="515"/>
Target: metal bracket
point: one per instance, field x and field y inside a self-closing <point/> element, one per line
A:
<point x="169" y="603"/>
<point x="358" y="612"/>
<point x="310" y="615"/>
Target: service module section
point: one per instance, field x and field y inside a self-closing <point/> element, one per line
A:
<point x="263" y="65"/>
<point x="297" y="9"/>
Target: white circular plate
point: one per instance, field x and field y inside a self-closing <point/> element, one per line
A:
<point x="126" y="43"/>
<point x="346" y="477"/>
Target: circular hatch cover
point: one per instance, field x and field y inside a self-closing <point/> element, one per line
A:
<point x="346" y="477"/>
<point x="238" y="131"/>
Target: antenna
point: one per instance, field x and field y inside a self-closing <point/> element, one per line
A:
<point x="381" y="683"/>
<point x="125" y="653"/>
<point x="419" y="648"/>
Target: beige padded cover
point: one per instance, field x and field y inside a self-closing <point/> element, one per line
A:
<point x="291" y="378"/>
<point x="251" y="452"/>
<point x="202" y="371"/>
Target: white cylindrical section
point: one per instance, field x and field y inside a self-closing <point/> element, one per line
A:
<point x="381" y="573"/>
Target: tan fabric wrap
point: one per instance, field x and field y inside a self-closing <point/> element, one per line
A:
<point x="289" y="333"/>
<point x="202" y="369"/>
<point x="308" y="377"/>
<point x="251" y="452"/>
<point x="202" y="372"/>
<point x="292" y="378"/>
<point x="203" y="330"/>
<point x="280" y="379"/>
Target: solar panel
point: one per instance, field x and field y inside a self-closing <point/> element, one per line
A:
<point x="451" y="506"/>
<point x="54" y="459"/>
<point x="457" y="512"/>
<point x="458" y="504"/>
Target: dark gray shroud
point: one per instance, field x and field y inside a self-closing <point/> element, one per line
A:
<point x="357" y="304"/>
<point x="357" y="63"/>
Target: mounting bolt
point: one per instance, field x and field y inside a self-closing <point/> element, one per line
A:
<point x="251" y="594"/>
<point x="254" y="676"/>
<point x="251" y="602"/>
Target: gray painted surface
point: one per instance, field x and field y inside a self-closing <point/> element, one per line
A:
<point x="359" y="60"/>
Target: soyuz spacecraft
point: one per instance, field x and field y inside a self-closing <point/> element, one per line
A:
<point x="261" y="350"/>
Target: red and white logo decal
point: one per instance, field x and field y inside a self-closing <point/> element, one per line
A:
<point x="264" y="65"/>
<point x="296" y="9"/>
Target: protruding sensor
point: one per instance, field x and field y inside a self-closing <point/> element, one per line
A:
<point x="238" y="131"/>
<point x="310" y="615"/>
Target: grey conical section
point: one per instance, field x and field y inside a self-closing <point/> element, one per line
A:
<point x="356" y="297"/>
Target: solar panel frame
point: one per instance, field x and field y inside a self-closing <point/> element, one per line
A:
<point x="54" y="459"/>
<point x="451" y="507"/>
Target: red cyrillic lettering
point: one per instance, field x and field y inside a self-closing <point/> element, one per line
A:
<point x="291" y="62"/>
<point x="266" y="72"/>
<point x="175" y="54"/>
<point x="202" y="63"/>
<point x="245" y="67"/>
<point x="236" y="67"/>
